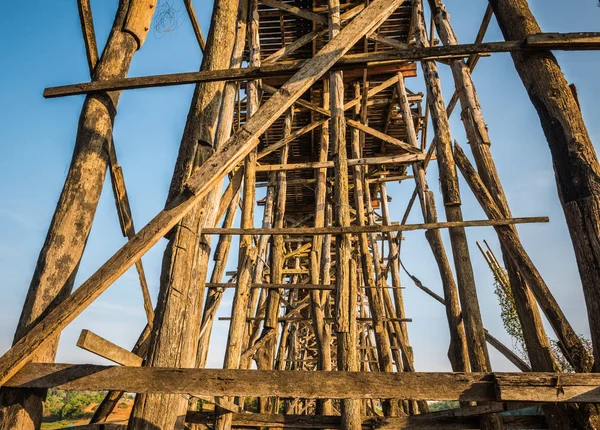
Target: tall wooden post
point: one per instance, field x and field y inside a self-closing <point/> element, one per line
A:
<point x="575" y="161"/>
<point x="320" y="299"/>
<point x="69" y="229"/>
<point x="457" y="352"/>
<point x="346" y="344"/>
<point x="178" y="318"/>
<point x="471" y="313"/>
<point x="370" y="267"/>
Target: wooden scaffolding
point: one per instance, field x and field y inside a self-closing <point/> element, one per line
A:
<point x="310" y="100"/>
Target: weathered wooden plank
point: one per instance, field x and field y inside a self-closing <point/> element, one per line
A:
<point x="270" y="70"/>
<point x="427" y="386"/>
<point x="307" y="231"/>
<point x="89" y="36"/>
<point x="195" y="25"/>
<point x="98" y="345"/>
<point x="529" y="387"/>
<point x="382" y="136"/>
<point x="391" y="159"/>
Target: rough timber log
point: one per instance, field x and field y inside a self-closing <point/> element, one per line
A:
<point x="345" y="311"/>
<point x="509" y="239"/>
<point x="534" y="334"/>
<point x="573" y="155"/>
<point x="457" y="352"/>
<point x="471" y="314"/>
<point x="176" y="329"/>
<point x="70" y="226"/>
<point x="367" y="262"/>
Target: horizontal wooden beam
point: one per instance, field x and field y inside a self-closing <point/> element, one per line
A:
<point x="329" y="320"/>
<point x="371" y="161"/>
<point x="318" y="231"/>
<point x="205" y="420"/>
<point x="556" y="41"/>
<point x="528" y="387"/>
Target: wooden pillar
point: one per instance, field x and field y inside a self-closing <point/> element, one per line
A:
<point x="536" y="341"/>
<point x="215" y="295"/>
<point x="510" y="240"/>
<point x="370" y="268"/>
<point x="320" y="299"/>
<point x="471" y="313"/>
<point x="575" y="162"/>
<point x="457" y="353"/>
<point x="67" y="235"/>
<point x="178" y="318"/>
<point x="266" y="353"/>
<point x="346" y="343"/>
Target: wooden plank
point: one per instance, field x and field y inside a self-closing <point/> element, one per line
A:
<point x="195" y="25"/>
<point x="200" y="183"/>
<point x="382" y="136"/>
<point x="89" y="36"/>
<point x="220" y="382"/>
<point x="393" y="159"/>
<point x="529" y="387"/>
<point x="98" y="345"/>
<point x="294" y="10"/>
<point x="294" y="46"/>
<point x="352" y="61"/>
<point x="353" y="229"/>
<point x="293" y="136"/>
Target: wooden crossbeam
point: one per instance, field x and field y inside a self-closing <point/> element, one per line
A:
<point x="391" y="159"/>
<point x="295" y="135"/>
<point x="526" y="387"/>
<point x="229" y="155"/>
<point x="567" y="41"/>
<point x="418" y="422"/>
<point x="354" y="229"/>
<point x="294" y="46"/>
<point x="382" y="136"/>
<point x="195" y="25"/>
<point x="294" y="10"/>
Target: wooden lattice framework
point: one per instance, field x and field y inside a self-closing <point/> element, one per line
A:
<point x="310" y="99"/>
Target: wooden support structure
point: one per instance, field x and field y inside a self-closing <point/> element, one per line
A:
<point x="310" y="135"/>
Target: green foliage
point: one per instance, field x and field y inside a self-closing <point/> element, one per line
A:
<point x="70" y="404"/>
<point x="443" y="406"/>
<point x="508" y="313"/>
<point x="561" y="361"/>
<point x="510" y="320"/>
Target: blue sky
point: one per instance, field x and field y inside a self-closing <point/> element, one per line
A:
<point x="41" y="46"/>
